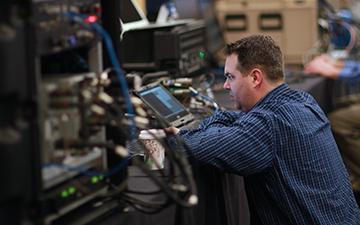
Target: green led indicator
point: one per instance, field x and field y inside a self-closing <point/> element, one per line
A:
<point x="64" y="194"/>
<point x="172" y="90"/>
<point x="94" y="180"/>
<point x="202" y="55"/>
<point x="71" y="190"/>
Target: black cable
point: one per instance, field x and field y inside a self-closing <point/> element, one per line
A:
<point x="181" y="160"/>
<point x="167" y="148"/>
<point x="152" y="205"/>
<point x="177" y="157"/>
<point x="208" y="82"/>
<point x="149" y="76"/>
<point x="174" y="159"/>
<point x="327" y="5"/>
<point x="142" y="192"/>
<point x="135" y="203"/>
<point x="169" y="192"/>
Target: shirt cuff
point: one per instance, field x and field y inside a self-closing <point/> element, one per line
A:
<point x="183" y="131"/>
<point x="351" y="69"/>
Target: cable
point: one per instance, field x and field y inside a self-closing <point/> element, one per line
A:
<point x="173" y="195"/>
<point x="210" y="82"/>
<point x="195" y="93"/>
<point x="338" y="20"/>
<point x="326" y="5"/>
<point x="182" y="165"/>
<point x="180" y="160"/>
<point x="135" y="203"/>
<point x="191" y="197"/>
<point x="142" y="192"/>
<point x="170" y="193"/>
<point x="168" y="190"/>
<point x="353" y="38"/>
<point x="116" y="65"/>
<point x="149" y="76"/>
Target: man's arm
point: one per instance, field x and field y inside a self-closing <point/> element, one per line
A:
<point x="221" y="118"/>
<point x="244" y="147"/>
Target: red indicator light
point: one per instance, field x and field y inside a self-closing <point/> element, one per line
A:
<point x="90" y="19"/>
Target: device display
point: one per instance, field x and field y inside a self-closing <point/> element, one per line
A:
<point x="165" y="106"/>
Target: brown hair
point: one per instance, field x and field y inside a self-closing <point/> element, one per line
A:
<point x="258" y="51"/>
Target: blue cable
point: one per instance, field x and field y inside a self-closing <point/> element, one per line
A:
<point x="117" y="68"/>
<point x="195" y="93"/>
<point x="78" y="18"/>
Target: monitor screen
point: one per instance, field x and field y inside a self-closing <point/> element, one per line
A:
<point x="163" y="103"/>
<point x="214" y="34"/>
<point x="128" y="12"/>
<point x="131" y="15"/>
<point x="188" y="9"/>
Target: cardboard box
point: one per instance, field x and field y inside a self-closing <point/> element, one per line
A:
<point x="293" y="24"/>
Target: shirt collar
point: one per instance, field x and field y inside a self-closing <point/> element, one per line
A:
<point x="272" y="94"/>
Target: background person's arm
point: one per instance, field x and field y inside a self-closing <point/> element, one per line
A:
<point x="325" y="66"/>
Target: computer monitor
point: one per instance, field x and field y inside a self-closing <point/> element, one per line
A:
<point x="162" y="102"/>
<point x="131" y="15"/>
<point x="165" y="106"/>
<point x="188" y="9"/>
<point x="214" y="34"/>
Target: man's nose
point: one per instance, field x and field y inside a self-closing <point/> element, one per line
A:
<point x="226" y="85"/>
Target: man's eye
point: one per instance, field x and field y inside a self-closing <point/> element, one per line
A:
<point x="230" y="77"/>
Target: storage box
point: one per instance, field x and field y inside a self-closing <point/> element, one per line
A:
<point x="292" y="23"/>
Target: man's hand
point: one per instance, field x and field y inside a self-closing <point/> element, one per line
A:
<point x="172" y="130"/>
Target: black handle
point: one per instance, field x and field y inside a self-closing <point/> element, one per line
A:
<point x="270" y="21"/>
<point x="239" y="19"/>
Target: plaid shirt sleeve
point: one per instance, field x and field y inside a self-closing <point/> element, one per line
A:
<point x="232" y="144"/>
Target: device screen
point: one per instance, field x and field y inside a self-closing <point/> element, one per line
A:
<point x="163" y="103"/>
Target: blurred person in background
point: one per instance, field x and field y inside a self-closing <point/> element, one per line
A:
<point x="345" y="121"/>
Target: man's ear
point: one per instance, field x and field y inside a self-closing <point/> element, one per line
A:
<point x="257" y="77"/>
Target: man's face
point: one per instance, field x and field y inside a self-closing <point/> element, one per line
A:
<point x="239" y="85"/>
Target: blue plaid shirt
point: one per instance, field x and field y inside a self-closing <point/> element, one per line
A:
<point x="284" y="148"/>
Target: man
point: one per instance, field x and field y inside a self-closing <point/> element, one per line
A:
<point x="280" y="141"/>
<point x="345" y="121"/>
